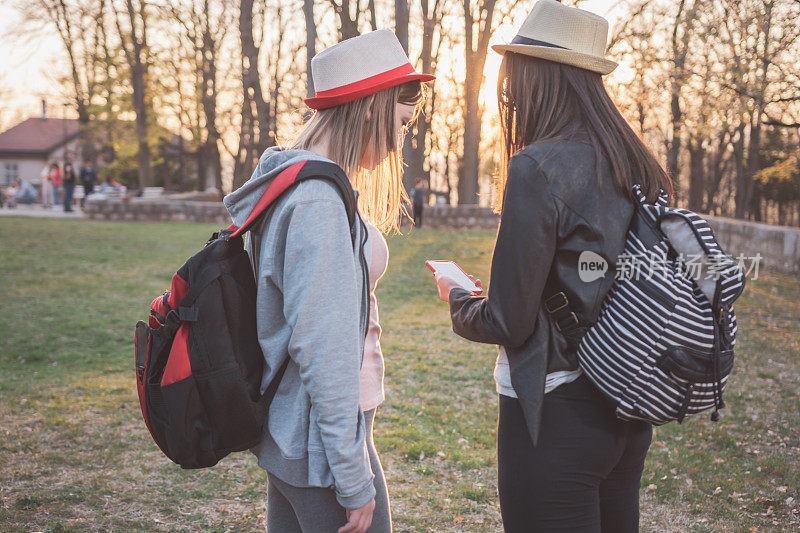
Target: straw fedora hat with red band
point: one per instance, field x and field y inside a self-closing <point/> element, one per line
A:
<point x="563" y="34"/>
<point x="358" y="67"/>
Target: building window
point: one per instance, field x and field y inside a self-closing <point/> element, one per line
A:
<point x="11" y="173"/>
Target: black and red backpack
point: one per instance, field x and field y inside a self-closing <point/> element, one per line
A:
<point x="199" y="364"/>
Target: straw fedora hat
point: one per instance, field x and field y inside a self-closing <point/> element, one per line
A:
<point x="358" y="67"/>
<point x="563" y="34"/>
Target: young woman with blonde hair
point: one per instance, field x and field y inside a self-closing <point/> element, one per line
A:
<point x="315" y="277"/>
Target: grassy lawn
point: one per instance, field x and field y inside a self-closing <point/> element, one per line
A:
<point x="75" y="454"/>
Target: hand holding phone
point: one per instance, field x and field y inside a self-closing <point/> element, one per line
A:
<point x="451" y="271"/>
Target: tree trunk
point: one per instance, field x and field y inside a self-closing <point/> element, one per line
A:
<point x="755" y="210"/>
<point x="697" y="156"/>
<point x="430" y="20"/>
<point x="311" y="43"/>
<point x="468" y="179"/>
<point x="181" y="163"/>
<point x="475" y="60"/>
<point x="209" y="99"/>
<point x="255" y="110"/>
<point x="373" y="20"/>
<point x="753" y="164"/>
<point x="348" y="25"/>
<point x="241" y="163"/>
<point x="272" y="129"/>
<point x="451" y="145"/>
<point x="741" y="173"/>
<point x="754" y="148"/>
<point x="202" y="168"/>
<point x="138" y="71"/>
<point x="716" y="168"/>
<point x="744" y="198"/>
<point x="401" y="22"/>
<point x="83" y="94"/>
<point x="401" y="30"/>
<point x="679" y="52"/>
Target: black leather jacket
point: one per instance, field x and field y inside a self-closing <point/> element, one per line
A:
<point x="553" y="210"/>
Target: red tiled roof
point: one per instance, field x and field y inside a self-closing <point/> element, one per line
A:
<point x="36" y="136"/>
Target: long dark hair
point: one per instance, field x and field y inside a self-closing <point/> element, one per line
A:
<point x="542" y="100"/>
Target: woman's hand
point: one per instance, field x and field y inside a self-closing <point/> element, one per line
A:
<point x="359" y="520"/>
<point x="446" y="284"/>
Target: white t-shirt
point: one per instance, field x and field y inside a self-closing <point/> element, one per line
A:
<point x="502" y="376"/>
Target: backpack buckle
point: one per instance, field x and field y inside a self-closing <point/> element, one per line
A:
<point x="183" y="314"/>
<point x="571" y="315"/>
<point x="562" y="305"/>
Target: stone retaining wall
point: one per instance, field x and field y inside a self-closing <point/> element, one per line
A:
<point x="162" y="210"/>
<point x="460" y="217"/>
<point x="779" y="246"/>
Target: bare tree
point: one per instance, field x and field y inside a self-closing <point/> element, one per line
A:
<point x="277" y="79"/>
<point x="373" y="20"/>
<point x="213" y="31"/>
<point x="256" y="111"/>
<point x="311" y="43"/>
<point x="64" y="23"/>
<point x="447" y="127"/>
<point x="756" y="32"/>
<point x="478" y="29"/>
<point x="401" y="18"/>
<point x="174" y="82"/>
<point x="133" y="39"/>
<point x="681" y="34"/>
<point x="204" y="26"/>
<point x="401" y="22"/>
<point x="81" y="29"/>
<point x="348" y="21"/>
<point x="418" y="144"/>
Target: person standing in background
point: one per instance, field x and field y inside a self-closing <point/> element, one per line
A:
<point x="88" y="179"/>
<point x="47" y="187"/>
<point x="55" y="175"/>
<point x="418" y="196"/>
<point x="69" y="185"/>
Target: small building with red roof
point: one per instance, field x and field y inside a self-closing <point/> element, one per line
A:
<point x="26" y="148"/>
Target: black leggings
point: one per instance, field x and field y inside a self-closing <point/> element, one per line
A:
<point x="583" y="475"/>
<point x="418" y="215"/>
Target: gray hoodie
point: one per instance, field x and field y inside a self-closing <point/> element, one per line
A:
<point x="309" y="307"/>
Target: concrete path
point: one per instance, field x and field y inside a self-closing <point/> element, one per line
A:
<point x="37" y="210"/>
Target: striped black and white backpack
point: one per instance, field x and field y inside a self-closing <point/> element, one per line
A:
<point x="662" y="347"/>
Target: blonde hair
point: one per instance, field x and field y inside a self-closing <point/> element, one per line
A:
<point x="354" y="141"/>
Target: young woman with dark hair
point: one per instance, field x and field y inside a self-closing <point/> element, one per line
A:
<point x="565" y="462"/>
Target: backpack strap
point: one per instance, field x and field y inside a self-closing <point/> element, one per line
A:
<point x="269" y="394"/>
<point x="289" y="177"/>
<point x="293" y="175"/>
<point x="280" y="184"/>
<point x="564" y="318"/>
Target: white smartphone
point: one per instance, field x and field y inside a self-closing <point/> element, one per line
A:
<point x="453" y="271"/>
